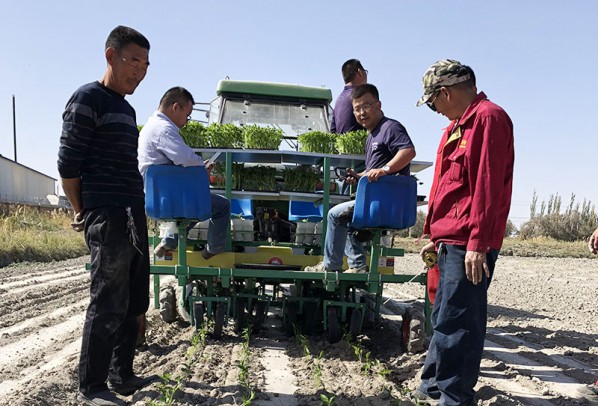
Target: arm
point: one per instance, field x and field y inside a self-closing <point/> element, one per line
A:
<point x="79" y="122"/>
<point x="174" y="148"/>
<point x="398" y="162"/>
<point x="72" y="190"/>
<point x="490" y="176"/>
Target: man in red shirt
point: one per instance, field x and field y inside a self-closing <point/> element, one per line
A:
<point x="467" y="216"/>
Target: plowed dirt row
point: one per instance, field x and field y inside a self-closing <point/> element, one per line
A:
<point x="542" y="344"/>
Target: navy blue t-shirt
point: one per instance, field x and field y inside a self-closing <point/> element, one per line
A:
<point x="343" y="119"/>
<point x="384" y="142"/>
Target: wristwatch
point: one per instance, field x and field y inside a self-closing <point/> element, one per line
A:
<point x="386" y="168"/>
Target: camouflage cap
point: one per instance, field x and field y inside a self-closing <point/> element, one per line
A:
<point x="446" y="72"/>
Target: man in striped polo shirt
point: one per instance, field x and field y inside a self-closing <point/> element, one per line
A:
<point x="97" y="162"/>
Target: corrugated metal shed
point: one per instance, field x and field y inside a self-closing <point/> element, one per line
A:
<point x="20" y="184"/>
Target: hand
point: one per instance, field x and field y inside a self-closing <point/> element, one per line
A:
<point x="208" y="166"/>
<point x="475" y="263"/>
<point x="351" y="177"/>
<point x="79" y="221"/>
<point x="593" y="242"/>
<point x="429" y="247"/>
<point x="375" y="174"/>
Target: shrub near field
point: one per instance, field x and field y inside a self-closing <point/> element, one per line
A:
<point x="37" y="234"/>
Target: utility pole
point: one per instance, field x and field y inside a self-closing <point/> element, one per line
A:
<point x="14" y="125"/>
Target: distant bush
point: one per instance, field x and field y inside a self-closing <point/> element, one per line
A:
<point x="36" y="234"/>
<point x="576" y="223"/>
<point x="415" y="231"/>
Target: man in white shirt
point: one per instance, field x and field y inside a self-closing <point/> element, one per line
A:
<point x="160" y="143"/>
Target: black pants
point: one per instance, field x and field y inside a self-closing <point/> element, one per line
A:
<point x="119" y="292"/>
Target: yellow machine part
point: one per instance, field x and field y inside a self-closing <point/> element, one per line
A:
<point x="264" y="255"/>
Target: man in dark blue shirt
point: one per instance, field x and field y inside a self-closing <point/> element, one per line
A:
<point x="343" y="119"/>
<point x="97" y="162"/>
<point x="389" y="151"/>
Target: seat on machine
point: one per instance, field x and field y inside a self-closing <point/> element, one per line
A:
<point x="389" y="202"/>
<point x="308" y="211"/>
<point x="241" y="208"/>
<point x="176" y="192"/>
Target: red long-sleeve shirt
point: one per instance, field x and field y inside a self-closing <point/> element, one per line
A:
<point x="473" y="177"/>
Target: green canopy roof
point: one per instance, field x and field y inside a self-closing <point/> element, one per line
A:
<point x="274" y="89"/>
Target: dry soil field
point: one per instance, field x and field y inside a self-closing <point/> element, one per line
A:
<point x="542" y="344"/>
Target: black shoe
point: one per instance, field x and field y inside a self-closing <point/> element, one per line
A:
<point x="102" y="398"/>
<point x="205" y="254"/>
<point x="131" y="385"/>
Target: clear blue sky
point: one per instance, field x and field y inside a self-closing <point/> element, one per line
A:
<point x="537" y="59"/>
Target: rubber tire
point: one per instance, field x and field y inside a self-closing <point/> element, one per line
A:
<point x="240" y="317"/>
<point x="290" y="318"/>
<point x="356" y="323"/>
<point x="140" y="330"/>
<point x="260" y="316"/>
<point x="334" y="332"/>
<point x="417" y="334"/>
<point x="168" y="304"/>
<point x="308" y="319"/>
<point x="219" y="320"/>
<point x="406" y="331"/>
<point x="182" y="310"/>
<point x="198" y="311"/>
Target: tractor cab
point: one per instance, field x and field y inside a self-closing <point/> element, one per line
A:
<point x="294" y="109"/>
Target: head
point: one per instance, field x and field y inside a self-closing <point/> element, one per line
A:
<point x="354" y="73"/>
<point x="449" y="87"/>
<point x="127" y="55"/>
<point x="367" y="106"/>
<point x="177" y="104"/>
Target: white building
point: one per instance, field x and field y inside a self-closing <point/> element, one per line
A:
<point x="20" y="184"/>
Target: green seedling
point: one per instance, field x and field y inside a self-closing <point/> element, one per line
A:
<point x="367" y="365"/>
<point x="326" y="401"/>
<point x="318" y="369"/>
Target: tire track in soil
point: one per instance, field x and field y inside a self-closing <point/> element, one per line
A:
<point x="22" y="282"/>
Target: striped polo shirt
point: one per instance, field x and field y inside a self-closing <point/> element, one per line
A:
<point x="99" y="145"/>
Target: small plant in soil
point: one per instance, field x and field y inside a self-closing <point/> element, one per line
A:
<point x="326" y="401"/>
<point x="318" y="369"/>
<point x="170" y="384"/>
<point x="248" y="392"/>
<point x="303" y="342"/>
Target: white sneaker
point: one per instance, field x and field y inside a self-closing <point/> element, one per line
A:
<point x="318" y="268"/>
<point x="357" y="270"/>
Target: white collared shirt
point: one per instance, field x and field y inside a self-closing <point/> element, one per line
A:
<point x="160" y="143"/>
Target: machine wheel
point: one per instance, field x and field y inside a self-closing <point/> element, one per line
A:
<point x="356" y="322"/>
<point x="140" y="330"/>
<point x="334" y="334"/>
<point x="240" y="317"/>
<point x="198" y="310"/>
<point x="168" y="304"/>
<point x="219" y="320"/>
<point x="183" y="306"/>
<point x="416" y="333"/>
<point x="310" y="312"/>
<point x="260" y="316"/>
<point x="290" y="318"/>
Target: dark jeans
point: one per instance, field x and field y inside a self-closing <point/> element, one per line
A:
<point x="119" y="292"/>
<point x="452" y="365"/>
